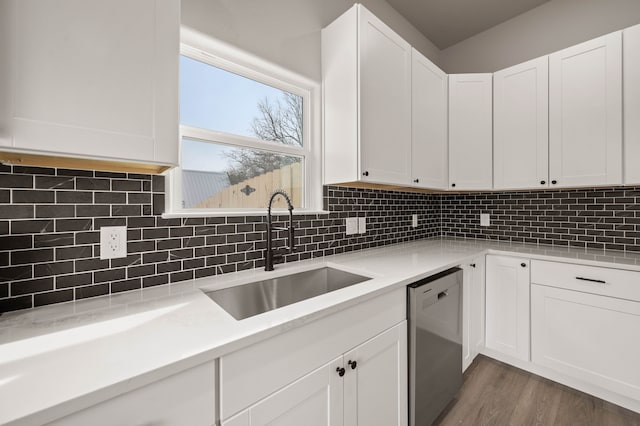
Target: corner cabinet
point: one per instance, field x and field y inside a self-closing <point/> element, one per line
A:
<point x="429" y="132"/>
<point x="186" y="398"/>
<point x="585" y="113"/>
<point x="521" y="126"/>
<point x="631" y="97"/>
<point x="90" y="79"/>
<point x="507" y="307"/>
<point x="470" y="132"/>
<point x="366" y="77"/>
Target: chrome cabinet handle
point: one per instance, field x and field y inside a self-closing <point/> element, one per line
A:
<point x="591" y="280"/>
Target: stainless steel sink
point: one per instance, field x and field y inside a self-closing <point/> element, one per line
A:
<point x="251" y="299"/>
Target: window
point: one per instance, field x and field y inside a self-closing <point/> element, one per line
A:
<point x="247" y="129"/>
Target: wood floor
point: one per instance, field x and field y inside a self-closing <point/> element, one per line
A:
<point x="494" y="393"/>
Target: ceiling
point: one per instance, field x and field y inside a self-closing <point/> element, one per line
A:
<point x="447" y="22"/>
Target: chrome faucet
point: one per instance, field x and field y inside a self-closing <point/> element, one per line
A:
<point x="268" y="253"/>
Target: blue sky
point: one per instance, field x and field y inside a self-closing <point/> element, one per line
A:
<point x="215" y="99"/>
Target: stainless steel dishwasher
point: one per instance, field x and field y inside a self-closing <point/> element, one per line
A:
<point x="435" y="344"/>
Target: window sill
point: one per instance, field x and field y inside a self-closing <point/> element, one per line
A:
<point x="262" y="212"/>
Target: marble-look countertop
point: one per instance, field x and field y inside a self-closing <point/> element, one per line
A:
<point x="59" y="359"/>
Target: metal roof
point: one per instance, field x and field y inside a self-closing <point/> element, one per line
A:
<point x="198" y="185"/>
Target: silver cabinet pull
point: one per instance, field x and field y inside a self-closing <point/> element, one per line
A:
<point x="591" y="280"/>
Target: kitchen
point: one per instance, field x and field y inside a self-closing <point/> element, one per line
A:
<point x="131" y="322"/>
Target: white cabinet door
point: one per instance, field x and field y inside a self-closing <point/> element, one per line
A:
<point x="315" y="400"/>
<point x="507" y="306"/>
<point x="385" y="102"/>
<point x="375" y="389"/>
<point x="366" y="82"/>
<point x="95" y="79"/>
<point x="186" y="398"/>
<point x="631" y="96"/>
<point x="585" y="113"/>
<point x="429" y="140"/>
<point x="470" y="131"/>
<point x="472" y="311"/>
<point x="521" y="126"/>
<point x="588" y="337"/>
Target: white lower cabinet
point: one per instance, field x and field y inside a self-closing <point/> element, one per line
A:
<point x="348" y="368"/>
<point x="366" y="386"/>
<point x="507" y="306"/>
<point x="315" y="400"/>
<point x="375" y="383"/>
<point x="473" y="295"/>
<point x="186" y="398"/>
<point x="589" y="337"/>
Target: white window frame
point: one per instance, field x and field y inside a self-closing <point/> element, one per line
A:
<point x="221" y="55"/>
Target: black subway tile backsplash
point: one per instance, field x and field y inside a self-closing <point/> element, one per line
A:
<point x="50" y="221"/>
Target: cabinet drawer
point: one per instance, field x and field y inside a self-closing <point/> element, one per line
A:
<point x="589" y="279"/>
<point x="252" y="373"/>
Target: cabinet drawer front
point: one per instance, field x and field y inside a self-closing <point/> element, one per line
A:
<point x="588" y="279"/>
<point x="252" y="373"/>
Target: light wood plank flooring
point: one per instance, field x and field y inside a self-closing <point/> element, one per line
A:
<point x="494" y="393"/>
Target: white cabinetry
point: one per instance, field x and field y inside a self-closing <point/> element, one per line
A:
<point x="589" y="337"/>
<point x="507" y="306"/>
<point x="470" y="131"/>
<point x="521" y="126"/>
<point x="366" y="73"/>
<point x="375" y="383"/>
<point x="473" y="300"/>
<point x="429" y="126"/>
<point x="631" y="75"/>
<point x="186" y="398"/>
<point x="92" y="79"/>
<point x="300" y="362"/>
<point x="585" y="113"/>
<point x="315" y="400"/>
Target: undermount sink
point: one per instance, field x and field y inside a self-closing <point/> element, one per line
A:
<point x="251" y="299"/>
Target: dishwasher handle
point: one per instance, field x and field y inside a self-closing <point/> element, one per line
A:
<point x="442" y="294"/>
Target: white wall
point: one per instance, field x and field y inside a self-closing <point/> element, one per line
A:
<point x="545" y="29"/>
<point x="287" y="32"/>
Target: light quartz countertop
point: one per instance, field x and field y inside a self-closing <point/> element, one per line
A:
<point x="59" y="359"/>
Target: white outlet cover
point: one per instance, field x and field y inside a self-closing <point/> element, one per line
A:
<point x="352" y="225"/>
<point x="414" y="221"/>
<point x="362" y="225"/>
<point x="113" y="242"/>
<point x="485" y="220"/>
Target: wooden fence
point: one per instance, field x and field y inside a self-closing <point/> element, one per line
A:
<point x="255" y="192"/>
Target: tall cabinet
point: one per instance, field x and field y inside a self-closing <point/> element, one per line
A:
<point x="429" y="132"/>
<point x="470" y="131"/>
<point x="585" y="113"/>
<point x="521" y="126"/>
<point x="366" y="76"/>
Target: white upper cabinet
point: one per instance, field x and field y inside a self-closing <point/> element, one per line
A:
<point x="585" y="113"/>
<point x="429" y="133"/>
<point x="631" y="73"/>
<point x="521" y="126"/>
<point x="92" y="78"/>
<point x="470" y="131"/>
<point x="366" y="72"/>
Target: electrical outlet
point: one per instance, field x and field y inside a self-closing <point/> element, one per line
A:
<point x="352" y="225"/>
<point x="485" y="220"/>
<point x="414" y="221"/>
<point x="113" y="242"/>
<point x="362" y="225"/>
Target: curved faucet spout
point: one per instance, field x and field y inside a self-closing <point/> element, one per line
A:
<point x="268" y="255"/>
